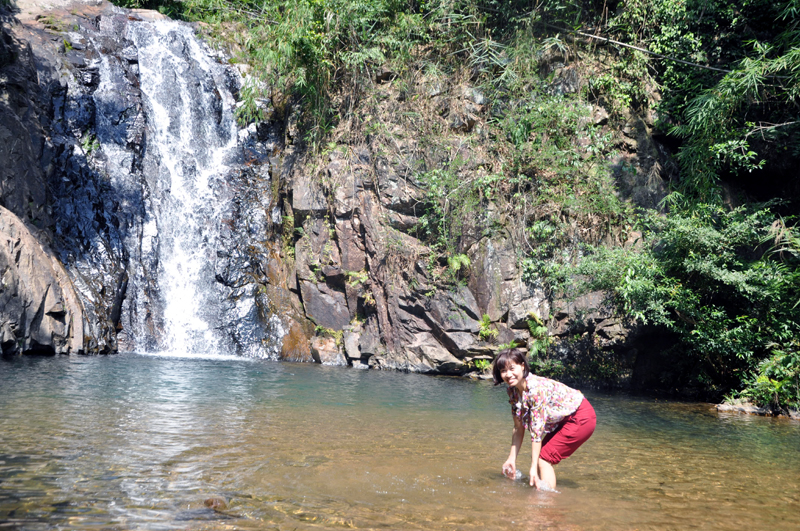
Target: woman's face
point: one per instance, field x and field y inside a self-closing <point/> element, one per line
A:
<point x="513" y="374"/>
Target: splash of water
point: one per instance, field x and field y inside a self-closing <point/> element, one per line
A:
<point x="544" y="487"/>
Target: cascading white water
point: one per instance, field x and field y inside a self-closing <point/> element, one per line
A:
<point x="192" y="137"/>
<point x="186" y="216"/>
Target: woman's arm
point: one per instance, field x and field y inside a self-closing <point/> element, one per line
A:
<point x="510" y="466"/>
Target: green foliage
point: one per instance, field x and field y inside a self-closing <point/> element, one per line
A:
<point x="448" y="212"/>
<point x="439" y="225"/>
<point x="786" y="243"/>
<point x="458" y="263"/>
<point x="312" y="47"/>
<point x="90" y="144"/>
<point x="730" y="123"/>
<point x="482" y="364"/>
<point x="540" y="362"/>
<point x="540" y="339"/>
<point x="558" y="168"/>
<point x="356" y="278"/>
<point x="546" y="260"/>
<point x="558" y="171"/>
<point x="486" y="330"/>
<point x="776" y="382"/>
<point x="707" y="276"/>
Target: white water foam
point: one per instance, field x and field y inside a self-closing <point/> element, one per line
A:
<point x="191" y="126"/>
<point x="175" y="354"/>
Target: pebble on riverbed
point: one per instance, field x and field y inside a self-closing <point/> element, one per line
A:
<point x="217" y="503"/>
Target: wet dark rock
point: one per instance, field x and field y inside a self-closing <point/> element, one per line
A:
<point x="324" y="305"/>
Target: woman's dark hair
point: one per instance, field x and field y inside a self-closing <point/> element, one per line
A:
<point x="518" y="356"/>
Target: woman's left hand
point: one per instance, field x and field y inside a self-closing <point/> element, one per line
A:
<point x="535" y="480"/>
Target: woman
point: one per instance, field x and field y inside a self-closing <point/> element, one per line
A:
<point x="559" y="418"/>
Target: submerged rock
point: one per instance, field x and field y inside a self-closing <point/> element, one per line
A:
<point x="217" y="503"/>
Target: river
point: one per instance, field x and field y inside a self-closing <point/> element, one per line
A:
<point x="140" y="442"/>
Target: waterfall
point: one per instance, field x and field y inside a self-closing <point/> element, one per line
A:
<point x="176" y="303"/>
<point x="192" y="134"/>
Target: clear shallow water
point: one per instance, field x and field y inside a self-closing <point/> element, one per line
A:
<point x="136" y="442"/>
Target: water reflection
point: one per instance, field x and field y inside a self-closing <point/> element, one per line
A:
<point x="135" y="442"/>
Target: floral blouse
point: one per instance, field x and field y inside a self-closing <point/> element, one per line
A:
<point x="544" y="405"/>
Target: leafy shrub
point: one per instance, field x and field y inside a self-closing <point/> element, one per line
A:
<point x="708" y="276"/>
<point x="776" y="382"/>
<point x="482" y="364"/>
<point x="731" y="123"/>
<point x="540" y="339"/>
<point x="486" y="331"/>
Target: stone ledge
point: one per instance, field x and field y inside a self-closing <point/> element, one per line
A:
<point x="747" y="408"/>
<point x="751" y="409"/>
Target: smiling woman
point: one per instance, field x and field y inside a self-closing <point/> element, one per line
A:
<point x="559" y="418"/>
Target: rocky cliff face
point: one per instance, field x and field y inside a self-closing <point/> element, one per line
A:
<point x="366" y="279"/>
<point x="39" y="308"/>
<point x="318" y="254"/>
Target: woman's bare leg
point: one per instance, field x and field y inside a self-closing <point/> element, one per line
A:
<point x="547" y="473"/>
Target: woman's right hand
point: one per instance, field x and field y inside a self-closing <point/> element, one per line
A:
<point x="510" y="469"/>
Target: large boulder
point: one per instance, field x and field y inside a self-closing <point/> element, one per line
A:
<point x="40" y="312"/>
<point x="325" y="306"/>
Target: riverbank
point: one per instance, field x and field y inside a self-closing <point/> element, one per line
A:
<point x="749" y="408"/>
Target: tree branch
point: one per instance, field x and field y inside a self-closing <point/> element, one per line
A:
<point x="762" y="128"/>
